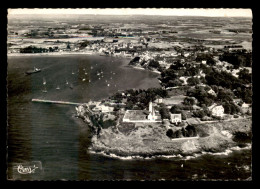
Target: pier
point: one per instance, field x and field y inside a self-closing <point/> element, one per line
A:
<point x="55" y="102"/>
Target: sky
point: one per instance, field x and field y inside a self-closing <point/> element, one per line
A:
<point x="148" y="11"/>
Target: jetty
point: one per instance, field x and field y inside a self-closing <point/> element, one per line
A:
<point x="55" y="102"/>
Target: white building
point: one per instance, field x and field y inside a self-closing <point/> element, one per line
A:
<point x="152" y="116"/>
<point x="216" y="110"/>
<point x="176" y="118"/>
<point x="102" y="108"/>
<point x="212" y="92"/>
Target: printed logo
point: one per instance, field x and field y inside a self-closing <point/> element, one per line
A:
<point x="26" y="170"/>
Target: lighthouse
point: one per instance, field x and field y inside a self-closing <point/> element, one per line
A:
<point x="151" y="115"/>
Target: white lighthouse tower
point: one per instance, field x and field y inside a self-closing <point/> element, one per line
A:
<point x="151" y="115"/>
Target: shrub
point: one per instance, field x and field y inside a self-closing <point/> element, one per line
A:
<point x="170" y="133"/>
<point x="183" y="116"/>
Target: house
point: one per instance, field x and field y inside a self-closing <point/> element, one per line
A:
<point x="216" y="110"/>
<point x="175" y="118"/>
<point x="212" y="92"/>
<point x="102" y="108"/>
<point x="158" y="99"/>
<point x="204" y="61"/>
<point x="246" y="108"/>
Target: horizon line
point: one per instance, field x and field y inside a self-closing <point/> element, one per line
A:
<point x="142" y="12"/>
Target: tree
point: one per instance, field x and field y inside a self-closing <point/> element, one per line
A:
<point x="199" y="113"/>
<point x="244" y="76"/>
<point x="175" y="109"/>
<point x="154" y="64"/>
<point x="193" y="81"/>
<point x="183" y="116"/>
<point x="68" y="45"/>
<point x="189" y="101"/>
<point x="165" y="114"/>
<point x="170" y="133"/>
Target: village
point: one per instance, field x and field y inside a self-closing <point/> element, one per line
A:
<point x="202" y="79"/>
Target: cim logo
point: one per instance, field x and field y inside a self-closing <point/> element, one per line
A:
<point x="25" y="169"/>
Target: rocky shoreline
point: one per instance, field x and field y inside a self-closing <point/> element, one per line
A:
<point x="150" y="139"/>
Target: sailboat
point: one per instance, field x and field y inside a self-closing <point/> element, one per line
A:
<point x="83" y="79"/>
<point x="89" y="81"/>
<point x="72" y="73"/>
<point x="58" y="87"/>
<point x="67" y="82"/>
<point x="108" y="85"/>
<point x="91" y="67"/>
<point x="35" y="70"/>
<point x="44" y="81"/>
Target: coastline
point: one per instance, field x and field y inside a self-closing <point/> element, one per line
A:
<point x="147" y="142"/>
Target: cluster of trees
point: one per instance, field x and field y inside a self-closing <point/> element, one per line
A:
<point x="134" y="60"/>
<point x="188" y="131"/>
<point x="193" y="81"/>
<point x="139" y="98"/>
<point x="237" y="58"/>
<point x="223" y="79"/>
<point x="245" y="76"/>
<point x="230" y="108"/>
<point x="33" y="49"/>
<point x="244" y="93"/>
<point x="201" y="94"/>
<point x="169" y="78"/>
<point x="202" y="113"/>
<point x="154" y="64"/>
<point x="164" y="112"/>
<point x="83" y="44"/>
<point x="208" y="57"/>
<point x="228" y="81"/>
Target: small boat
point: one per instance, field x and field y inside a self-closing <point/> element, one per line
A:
<point x="89" y="81"/>
<point x="67" y="82"/>
<point x="99" y="78"/>
<point x="83" y="79"/>
<point x="58" y="88"/>
<point x="44" y="81"/>
<point x="72" y="73"/>
<point x="86" y="73"/>
<point x="91" y="68"/>
<point x="71" y="86"/>
<point x="108" y="85"/>
<point x="35" y="70"/>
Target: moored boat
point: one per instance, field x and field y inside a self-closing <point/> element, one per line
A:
<point x="35" y="70"/>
